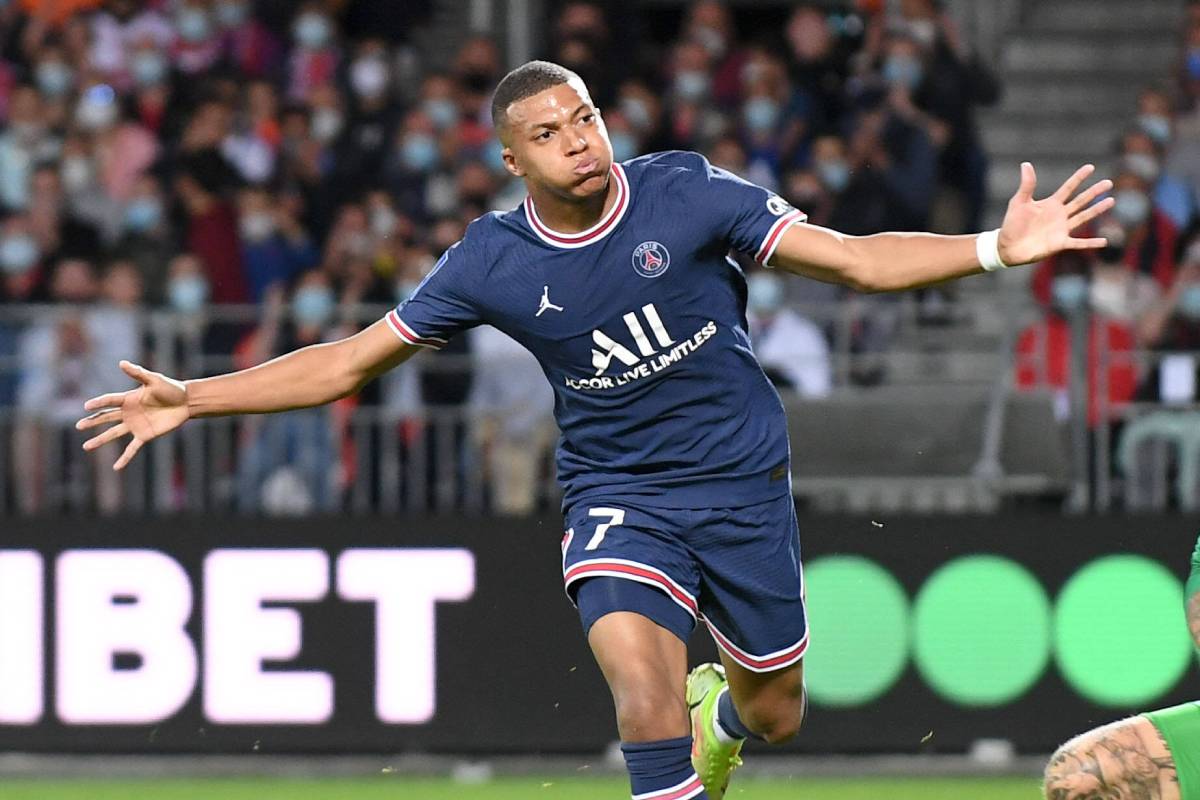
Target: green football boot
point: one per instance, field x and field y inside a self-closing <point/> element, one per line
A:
<point x="714" y="762"/>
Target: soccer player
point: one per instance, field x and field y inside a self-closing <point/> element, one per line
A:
<point x="1155" y="756"/>
<point x="674" y="452"/>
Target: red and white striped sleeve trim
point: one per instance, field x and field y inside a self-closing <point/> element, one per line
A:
<point x="681" y="791"/>
<point x="768" y="663"/>
<point x="408" y="335"/>
<point x="775" y="234"/>
<point x="632" y="570"/>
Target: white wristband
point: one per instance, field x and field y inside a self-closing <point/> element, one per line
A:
<point x="987" y="249"/>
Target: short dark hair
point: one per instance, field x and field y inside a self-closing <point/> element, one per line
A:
<point x="525" y="81"/>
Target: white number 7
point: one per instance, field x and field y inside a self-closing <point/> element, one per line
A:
<point x="616" y="516"/>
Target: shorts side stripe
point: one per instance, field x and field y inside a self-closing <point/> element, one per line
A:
<point x="643" y="573"/>
<point x="768" y="663"/>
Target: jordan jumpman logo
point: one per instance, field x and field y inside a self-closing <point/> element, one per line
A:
<point x="546" y="305"/>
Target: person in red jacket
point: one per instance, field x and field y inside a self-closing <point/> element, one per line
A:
<point x="1044" y="348"/>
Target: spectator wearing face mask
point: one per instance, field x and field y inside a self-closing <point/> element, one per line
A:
<point x="187" y="286"/>
<point x="371" y="125"/>
<point x="1044" y="347"/>
<point x="691" y="118"/>
<point x="893" y="168"/>
<point x="1150" y="237"/>
<point x="624" y="139"/>
<point x="146" y="237"/>
<point x="422" y="165"/>
<point x="21" y="257"/>
<point x="121" y="147"/>
<point x="296" y="449"/>
<point x="709" y="23"/>
<point x="1176" y="134"/>
<point x="59" y="233"/>
<point x="197" y="45"/>
<point x="212" y="234"/>
<point x="118" y="26"/>
<point x="23" y="143"/>
<point x="642" y="111"/>
<point x="791" y="349"/>
<point x="59" y="371"/>
<point x="152" y="93"/>
<point x="55" y="80"/>
<point x="315" y="56"/>
<point x="275" y="247"/>
<point x="187" y="296"/>
<point x="1116" y="292"/>
<point x="1140" y="154"/>
<point x="771" y="121"/>
<point x="247" y="44"/>
<point x="858" y="206"/>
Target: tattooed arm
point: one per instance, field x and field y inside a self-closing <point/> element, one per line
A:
<point x="1126" y="760"/>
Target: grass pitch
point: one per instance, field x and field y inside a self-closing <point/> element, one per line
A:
<point x="510" y="789"/>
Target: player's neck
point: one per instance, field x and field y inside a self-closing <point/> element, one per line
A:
<point x="573" y="216"/>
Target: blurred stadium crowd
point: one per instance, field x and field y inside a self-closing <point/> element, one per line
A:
<point x="1130" y="313"/>
<point x="200" y="185"/>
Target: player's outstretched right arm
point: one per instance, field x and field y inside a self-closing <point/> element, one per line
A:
<point x="310" y="376"/>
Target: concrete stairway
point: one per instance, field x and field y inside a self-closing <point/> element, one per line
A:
<point x="1072" y="71"/>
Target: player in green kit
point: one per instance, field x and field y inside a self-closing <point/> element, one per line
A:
<point x="1154" y="756"/>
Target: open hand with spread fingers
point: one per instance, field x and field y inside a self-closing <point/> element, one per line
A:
<point x="157" y="406"/>
<point x="1036" y="229"/>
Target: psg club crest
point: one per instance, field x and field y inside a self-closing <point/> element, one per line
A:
<point x="651" y="259"/>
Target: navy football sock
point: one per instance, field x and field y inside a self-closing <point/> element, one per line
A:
<point x="730" y="722"/>
<point x="663" y="770"/>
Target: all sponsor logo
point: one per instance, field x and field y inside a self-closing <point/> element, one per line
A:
<point x="656" y="351"/>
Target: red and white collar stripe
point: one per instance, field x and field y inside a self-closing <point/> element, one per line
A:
<point x="592" y="234"/>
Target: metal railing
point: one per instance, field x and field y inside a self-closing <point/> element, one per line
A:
<point x="391" y="452"/>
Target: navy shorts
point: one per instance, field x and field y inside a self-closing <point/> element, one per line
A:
<point x="737" y="569"/>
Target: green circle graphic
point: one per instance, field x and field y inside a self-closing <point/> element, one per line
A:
<point x="1120" y="635"/>
<point x="858" y="614"/>
<point x="981" y="630"/>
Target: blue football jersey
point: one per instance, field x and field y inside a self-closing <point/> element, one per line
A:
<point x="639" y="324"/>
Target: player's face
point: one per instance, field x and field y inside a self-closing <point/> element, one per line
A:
<point x="557" y="140"/>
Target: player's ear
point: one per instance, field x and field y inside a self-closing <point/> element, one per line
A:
<point x="510" y="162"/>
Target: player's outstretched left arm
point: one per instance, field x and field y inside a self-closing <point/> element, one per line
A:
<point x="885" y="262"/>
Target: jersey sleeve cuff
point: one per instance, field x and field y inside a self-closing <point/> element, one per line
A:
<point x="409" y="336"/>
<point x="775" y="235"/>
